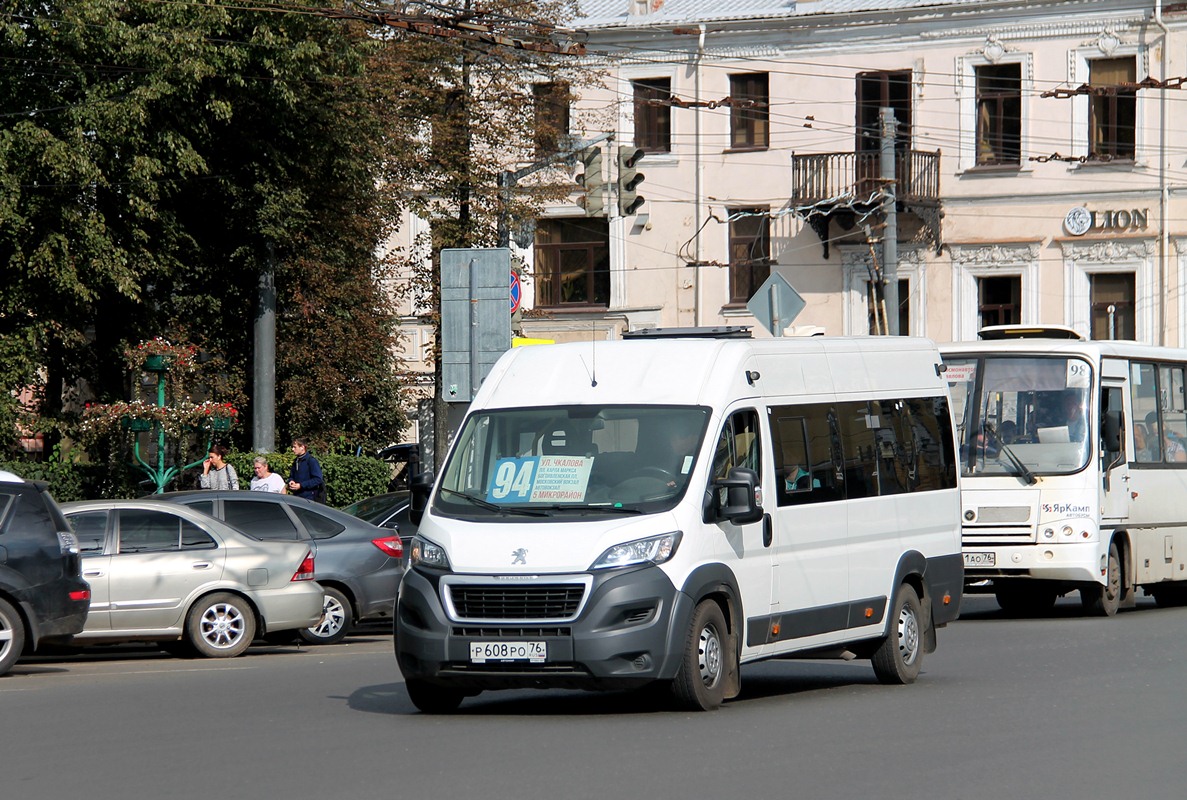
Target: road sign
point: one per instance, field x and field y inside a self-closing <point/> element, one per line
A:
<point x="475" y="317"/>
<point x="516" y="292"/>
<point x="776" y="304"/>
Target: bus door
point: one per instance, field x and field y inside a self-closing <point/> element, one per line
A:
<point x="1114" y="465"/>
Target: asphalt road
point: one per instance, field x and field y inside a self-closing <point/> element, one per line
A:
<point x="1061" y="707"/>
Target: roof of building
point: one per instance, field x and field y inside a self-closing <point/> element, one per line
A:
<point x="617" y="13"/>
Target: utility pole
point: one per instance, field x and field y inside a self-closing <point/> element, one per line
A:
<point x="263" y="416"/>
<point x="890" y="234"/>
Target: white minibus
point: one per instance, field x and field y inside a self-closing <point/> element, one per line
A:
<point x="670" y="506"/>
<point x="1073" y="467"/>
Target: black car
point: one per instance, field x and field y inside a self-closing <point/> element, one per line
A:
<point x="43" y="597"/>
<point x="359" y="565"/>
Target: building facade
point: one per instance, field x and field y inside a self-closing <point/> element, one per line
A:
<point x="1034" y="159"/>
<point x="1036" y="172"/>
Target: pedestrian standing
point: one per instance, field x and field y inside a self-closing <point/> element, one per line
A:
<point x="216" y="472"/>
<point x="265" y="479"/>
<point x="305" y="478"/>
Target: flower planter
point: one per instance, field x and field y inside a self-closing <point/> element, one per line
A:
<point x="135" y="425"/>
<point x="155" y="362"/>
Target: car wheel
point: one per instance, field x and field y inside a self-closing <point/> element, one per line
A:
<point x="700" y="681"/>
<point x="900" y="656"/>
<point x="335" y="619"/>
<point x="431" y="698"/>
<point x="1104" y="600"/>
<point x="12" y="636"/>
<point x="221" y="625"/>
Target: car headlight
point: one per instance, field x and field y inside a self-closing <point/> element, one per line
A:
<point x="656" y="549"/>
<point x="424" y="553"/>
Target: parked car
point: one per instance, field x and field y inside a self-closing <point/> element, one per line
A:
<point x="166" y="573"/>
<point x="386" y="511"/>
<point x="359" y="565"/>
<point x="43" y="597"/>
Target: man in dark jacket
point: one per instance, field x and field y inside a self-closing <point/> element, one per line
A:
<point x="305" y="478"/>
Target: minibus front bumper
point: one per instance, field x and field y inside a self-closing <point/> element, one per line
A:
<point x="621" y="633"/>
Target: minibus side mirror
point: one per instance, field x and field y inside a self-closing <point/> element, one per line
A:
<point x="733" y="497"/>
<point x="419" y="488"/>
<point x="1111" y="433"/>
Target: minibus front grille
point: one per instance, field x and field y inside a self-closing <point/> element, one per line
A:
<point x="504" y="632"/>
<point x="547" y="601"/>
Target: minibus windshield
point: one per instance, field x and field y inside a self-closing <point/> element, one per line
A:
<point x="1021" y="415"/>
<point x="528" y="463"/>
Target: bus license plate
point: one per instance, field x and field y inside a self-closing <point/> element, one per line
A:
<point x="532" y="652"/>
<point x="980" y="560"/>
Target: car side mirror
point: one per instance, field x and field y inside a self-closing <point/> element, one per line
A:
<point x="420" y="488"/>
<point x="734" y="498"/>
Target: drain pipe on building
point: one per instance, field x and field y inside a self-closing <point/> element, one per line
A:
<point x="1163" y="190"/>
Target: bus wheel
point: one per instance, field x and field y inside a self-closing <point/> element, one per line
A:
<point x="899" y="657"/>
<point x="700" y="682"/>
<point x="1105" y="600"/>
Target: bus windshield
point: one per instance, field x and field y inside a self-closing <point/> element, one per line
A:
<point x="1021" y="415"/>
<point x="526" y="463"/>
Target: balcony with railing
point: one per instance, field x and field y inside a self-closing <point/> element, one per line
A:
<point x="828" y="186"/>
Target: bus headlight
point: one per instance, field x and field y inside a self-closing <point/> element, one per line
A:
<point x="656" y="549"/>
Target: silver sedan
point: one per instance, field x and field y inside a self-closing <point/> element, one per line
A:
<point x="162" y="572"/>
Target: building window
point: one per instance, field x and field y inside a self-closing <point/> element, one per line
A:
<point x="653" y="115"/>
<point x="750" y="252"/>
<point x="1112" y="296"/>
<point x="1112" y="117"/>
<point x="573" y="262"/>
<point x="999" y="300"/>
<point x="551" y="113"/>
<point x="876" y="311"/>
<point x="878" y="90"/>
<point x="750" y="112"/>
<point x="999" y="114"/>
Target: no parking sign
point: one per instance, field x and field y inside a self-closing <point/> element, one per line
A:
<point x="516" y="292"/>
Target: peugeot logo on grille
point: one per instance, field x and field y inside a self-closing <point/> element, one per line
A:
<point x="519" y="556"/>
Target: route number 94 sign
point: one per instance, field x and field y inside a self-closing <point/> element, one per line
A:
<point x="540" y="479"/>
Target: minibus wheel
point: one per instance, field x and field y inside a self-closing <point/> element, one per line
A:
<point x="700" y="682"/>
<point x="431" y="698"/>
<point x="898" y="659"/>
<point x="1105" y="600"/>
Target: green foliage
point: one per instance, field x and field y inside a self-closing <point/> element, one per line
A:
<point x="63" y="475"/>
<point x="172" y="153"/>
<point x="348" y="478"/>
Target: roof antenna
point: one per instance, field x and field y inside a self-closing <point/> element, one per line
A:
<point x="592" y="370"/>
<point x="593" y="350"/>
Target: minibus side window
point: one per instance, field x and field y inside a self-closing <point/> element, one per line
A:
<point x="931" y="443"/>
<point x="803" y="443"/>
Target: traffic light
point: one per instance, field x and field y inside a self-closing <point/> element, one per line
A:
<point x="628" y="179"/>
<point x="594" y="197"/>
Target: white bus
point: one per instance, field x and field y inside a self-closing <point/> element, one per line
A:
<point x="1074" y="472"/>
<point x="667" y="508"/>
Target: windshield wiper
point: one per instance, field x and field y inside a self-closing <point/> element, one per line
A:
<point x="589" y="509"/>
<point x="1023" y="470"/>
<point x="495" y="507"/>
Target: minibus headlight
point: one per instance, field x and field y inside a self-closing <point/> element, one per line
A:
<point x="655" y="549"/>
<point x="424" y="553"/>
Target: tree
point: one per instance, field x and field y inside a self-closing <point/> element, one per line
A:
<point x="153" y="155"/>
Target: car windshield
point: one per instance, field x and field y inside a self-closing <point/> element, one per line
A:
<point x="1021" y="415"/>
<point x="537" y="463"/>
